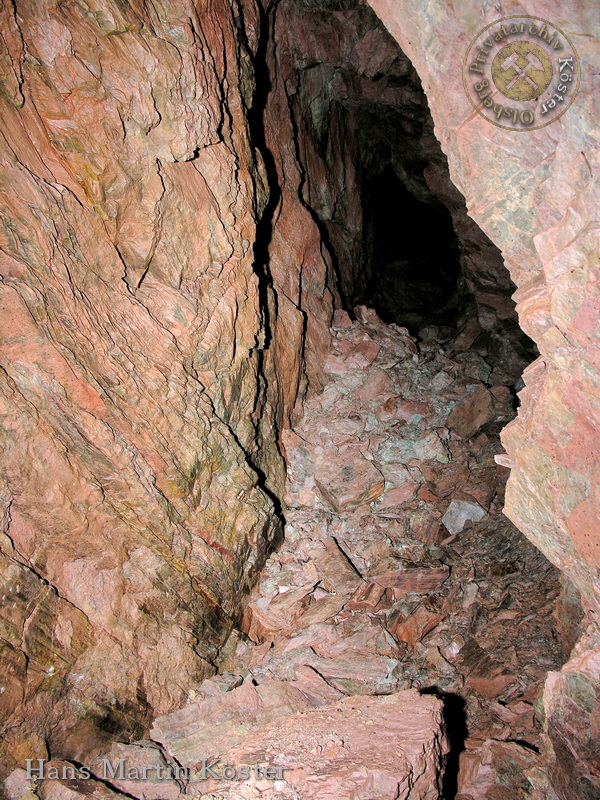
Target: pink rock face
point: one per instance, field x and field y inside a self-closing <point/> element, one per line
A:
<point x="123" y="767"/>
<point x="572" y="701"/>
<point x="354" y="604"/>
<point x="381" y="748"/>
<point x="65" y="787"/>
<point x="132" y="327"/>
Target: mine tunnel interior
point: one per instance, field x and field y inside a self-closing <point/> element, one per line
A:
<point x="377" y="182"/>
<point x="398" y="570"/>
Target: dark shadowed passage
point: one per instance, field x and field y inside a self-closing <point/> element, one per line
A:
<point x="414" y="255"/>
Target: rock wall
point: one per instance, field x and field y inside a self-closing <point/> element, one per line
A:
<point x="148" y="357"/>
<point x="534" y="194"/>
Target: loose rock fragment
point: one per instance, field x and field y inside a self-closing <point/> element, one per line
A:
<point x="460" y="513"/>
<point x="472" y="414"/>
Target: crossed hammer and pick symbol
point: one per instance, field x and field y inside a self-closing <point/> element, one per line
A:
<point x="533" y="61"/>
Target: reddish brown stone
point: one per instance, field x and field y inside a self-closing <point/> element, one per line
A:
<point x="263" y="618"/>
<point x="352" y="483"/>
<point x="500" y="771"/>
<point x="376" y="747"/>
<point x="432" y="533"/>
<point x="418" y="580"/>
<point x="398" y="495"/>
<point x="341" y="319"/>
<point x="368" y="597"/>
<point x="417" y="625"/>
<point x="472" y="413"/>
<point x="427" y="495"/>
<point x="485" y="675"/>
<point x="147" y="363"/>
<point x="335" y="570"/>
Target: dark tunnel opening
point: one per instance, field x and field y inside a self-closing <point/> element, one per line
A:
<point x="377" y="183"/>
<point x="414" y="256"/>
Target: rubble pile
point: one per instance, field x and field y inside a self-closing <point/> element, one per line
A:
<point x="400" y="584"/>
<point x="398" y="568"/>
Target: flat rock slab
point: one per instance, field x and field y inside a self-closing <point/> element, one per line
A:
<point x="418" y="580"/>
<point x="336" y="571"/>
<point x="209" y="727"/>
<point x="360" y="748"/>
<point x="346" y="479"/>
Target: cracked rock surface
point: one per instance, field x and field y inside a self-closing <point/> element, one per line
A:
<point x="179" y="207"/>
<point x="418" y="580"/>
<point x="137" y="406"/>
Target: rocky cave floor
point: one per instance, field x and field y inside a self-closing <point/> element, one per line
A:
<point x="398" y="572"/>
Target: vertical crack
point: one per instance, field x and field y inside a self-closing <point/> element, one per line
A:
<point x="262" y="410"/>
<point x="258" y="140"/>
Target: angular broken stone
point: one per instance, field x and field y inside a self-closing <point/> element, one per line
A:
<point x="368" y="597"/>
<point x="356" y="672"/>
<point x="335" y="569"/>
<point x="398" y="495"/>
<point x="264" y="618"/>
<point x="460" y="513"/>
<point x="503" y="770"/>
<point x="486" y="675"/>
<point x="412" y="629"/>
<point x="420" y="580"/>
<point x="322" y="609"/>
<point x="360" y="748"/>
<point x="341" y="319"/>
<point x="138" y="770"/>
<point x="346" y="479"/>
<point x="473" y="413"/>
